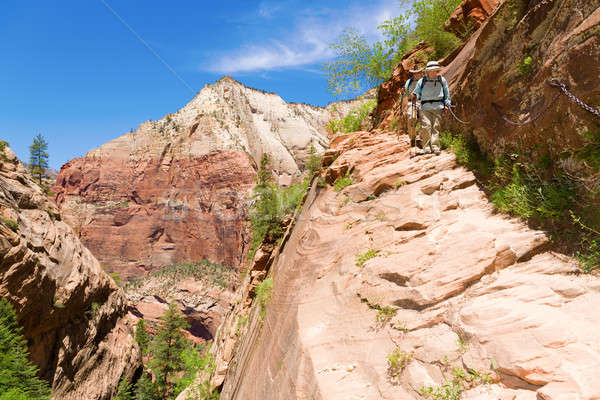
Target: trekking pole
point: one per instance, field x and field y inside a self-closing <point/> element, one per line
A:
<point x="412" y="135"/>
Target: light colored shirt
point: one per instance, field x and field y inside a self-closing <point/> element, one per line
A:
<point x="410" y="85"/>
<point x="433" y="93"/>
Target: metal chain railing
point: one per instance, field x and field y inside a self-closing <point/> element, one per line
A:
<point x="456" y="118"/>
<point x="556" y="83"/>
<point x="552" y="82"/>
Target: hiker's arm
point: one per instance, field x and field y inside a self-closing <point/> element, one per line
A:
<point x="418" y="90"/>
<point x="447" y="101"/>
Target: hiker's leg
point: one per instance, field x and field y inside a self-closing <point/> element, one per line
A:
<point x="426" y="126"/>
<point x="436" y="123"/>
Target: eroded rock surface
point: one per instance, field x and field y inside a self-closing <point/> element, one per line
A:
<point x="204" y="300"/>
<point x="73" y="315"/>
<point x="472" y="289"/>
<point x="469" y="15"/>
<point x="509" y="62"/>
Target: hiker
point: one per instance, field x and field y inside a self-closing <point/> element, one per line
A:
<point x="410" y="108"/>
<point x="433" y="92"/>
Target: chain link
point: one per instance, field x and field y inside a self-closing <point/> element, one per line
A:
<point x="556" y="83"/>
<point x="530" y="119"/>
<point x="456" y="118"/>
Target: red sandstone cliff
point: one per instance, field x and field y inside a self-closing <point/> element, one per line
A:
<point x="74" y="316"/>
<point x="176" y="189"/>
<point x="509" y="62"/>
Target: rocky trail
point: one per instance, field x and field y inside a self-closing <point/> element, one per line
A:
<point x="469" y="298"/>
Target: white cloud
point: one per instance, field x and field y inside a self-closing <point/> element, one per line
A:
<point x="268" y="9"/>
<point x="308" y="41"/>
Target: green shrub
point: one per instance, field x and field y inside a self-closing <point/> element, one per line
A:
<point x="590" y="152"/>
<point x="397" y="361"/>
<point x="529" y="196"/>
<point x="467" y="153"/>
<point x="263" y="295"/>
<point x="385" y="314"/>
<point x="430" y="17"/>
<point x="453" y="389"/>
<point x="313" y="165"/>
<point x="141" y="336"/>
<point x="361" y="259"/>
<point x="124" y="391"/>
<point x="12" y="225"/>
<point x="93" y="311"/>
<point x="343" y="182"/>
<point x="195" y="360"/>
<point x="525" y="66"/>
<point x="353" y="121"/>
<point x="589" y="259"/>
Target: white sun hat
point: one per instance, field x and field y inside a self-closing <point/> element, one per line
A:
<point x="433" y="65"/>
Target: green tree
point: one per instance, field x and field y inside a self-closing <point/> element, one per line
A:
<point x="359" y="65"/>
<point x="18" y="377"/>
<point x="38" y="160"/>
<point x="195" y="360"/>
<point x="167" y="350"/>
<point x="145" y="389"/>
<point x="430" y="17"/>
<point x="141" y="336"/>
<point x="266" y="219"/>
<point x="124" y="391"/>
<point x="313" y="165"/>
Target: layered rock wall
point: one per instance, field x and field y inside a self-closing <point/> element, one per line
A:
<point x="73" y="315"/>
<point x="177" y="189"/>
<point x="469" y="290"/>
<point x="509" y="62"/>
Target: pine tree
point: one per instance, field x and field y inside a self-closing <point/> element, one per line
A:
<point x="124" y="390"/>
<point x="18" y="377"/>
<point x="313" y="165"/>
<point x="145" y="389"/>
<point x="167" y="350"/>
<point x="264" y="176"/>
<point x="38" y="160"/>
<point x="141" y="336"/>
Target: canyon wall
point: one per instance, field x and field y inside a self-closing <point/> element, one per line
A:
<point x="177" y="189"/>
<point x="509" y="61"/>
<point x="73" y="315"/>
<point x="410" y="261"/>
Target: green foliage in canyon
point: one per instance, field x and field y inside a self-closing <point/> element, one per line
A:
<point x="272" y="204"/>
<point x="18" y="377"/>
<point x="359" y="65"/>
<point x="173" y="361"/>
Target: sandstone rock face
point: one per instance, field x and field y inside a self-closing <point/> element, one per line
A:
<point x="509" y="62"/>
<point x="472" y="291"/>
<point x="176" y="189"/>
<point x="203" y="299"/>
<point x="74" y="316"/>
<point x="469" y="15"/>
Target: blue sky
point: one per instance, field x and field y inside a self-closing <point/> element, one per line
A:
<point x="72" y="71"/>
